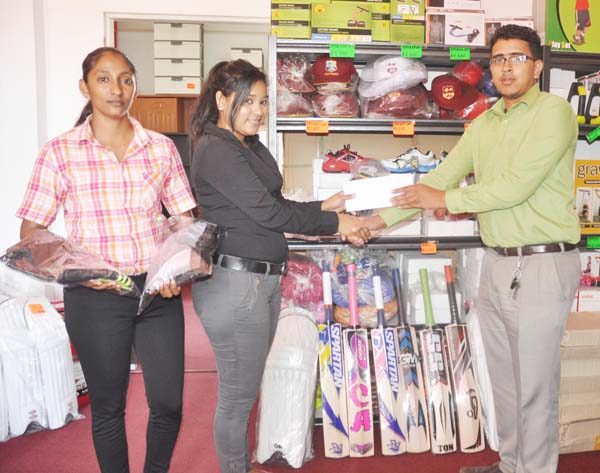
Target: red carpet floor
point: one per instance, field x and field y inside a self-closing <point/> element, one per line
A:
<point x="70" y="450"/>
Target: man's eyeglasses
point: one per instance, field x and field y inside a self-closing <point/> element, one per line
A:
<point x="512" y="59"/>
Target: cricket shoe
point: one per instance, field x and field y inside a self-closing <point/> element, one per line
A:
<point x="412" y="160"/>
<point x="341" y="160"/>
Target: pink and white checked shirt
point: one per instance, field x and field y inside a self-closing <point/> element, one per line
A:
<point x="111" y="207"/>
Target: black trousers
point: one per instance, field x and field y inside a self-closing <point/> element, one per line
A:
<point x="103" y="327"/>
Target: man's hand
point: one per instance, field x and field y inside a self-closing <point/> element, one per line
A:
<point x="353" y="229"/>
<point x="418" y="196"/>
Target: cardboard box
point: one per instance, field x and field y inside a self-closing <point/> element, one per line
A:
<point x="380" y="18"/>
<point x="579" y="384"/>
<point x="432" y="227"/>
<point x="587" y="195"/>
<point x="587" y="299"/>
<point x="455" y="27"/>
<point x="507" y="8"/>
<point x="582" y="330"/>
<point x="405" y="228"/>
<point x="407" y="21"/>
<point x="290" y="19"/>
<point x="561" y="27"/>
<point x="492" y="24"/>
<point x="580" y="436"/>
<point x="374" y="192"/>
<point x="341" y="21"/>
<point x="439" y="304"/>
<point x="455" y="4"/>
<point x="579" y="406"/>
<point x="580" y="361"/>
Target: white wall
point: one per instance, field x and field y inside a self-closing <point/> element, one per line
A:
<point x="41" y="74"/>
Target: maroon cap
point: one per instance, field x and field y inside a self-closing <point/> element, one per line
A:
<point x="450" y="93"/>
<point x="469" y="72"/>
<point x="327" y="69"/>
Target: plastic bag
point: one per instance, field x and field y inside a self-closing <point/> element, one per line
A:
<point x="293" y="73"/>
<point x="287" y="393"/>
<point x="302" y="285"/>
<point x="185" y="255"/>
<point x="408" y="103"/>
<point x="290" y="104"/>
<point x="50" y="257"/>
<point x="336" y="105"/>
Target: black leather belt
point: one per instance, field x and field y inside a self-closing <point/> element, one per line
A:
<point x="535" y="249"/>
<point x="247" y="264"/>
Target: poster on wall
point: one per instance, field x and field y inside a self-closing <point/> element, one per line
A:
<point x="573" y="25"/>
<point x="587" y="195"/>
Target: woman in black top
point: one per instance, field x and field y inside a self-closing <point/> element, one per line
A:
<point x="238" y="186"/>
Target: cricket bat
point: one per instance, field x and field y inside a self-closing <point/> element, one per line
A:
<point x="466" y="389"/>
<point x="442" y="427"/>
<point x="414" y="418"/>
<point x="331" y="371"/>
<point x="387" y="377"/>
<point x="358" y="378"/>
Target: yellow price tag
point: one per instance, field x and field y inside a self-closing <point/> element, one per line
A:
<point x="317" y="127"/>
<point x="403" y="128"/>
<point x="429" y="248"/>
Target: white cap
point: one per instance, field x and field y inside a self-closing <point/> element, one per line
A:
<point x="388" y="73"/>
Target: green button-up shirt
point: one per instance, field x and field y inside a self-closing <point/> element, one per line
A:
<point x="522" y="160"/>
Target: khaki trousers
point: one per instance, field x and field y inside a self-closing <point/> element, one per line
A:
<point x="521" y="334"/>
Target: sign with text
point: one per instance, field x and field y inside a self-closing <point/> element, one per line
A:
<point x="587" y="195"/>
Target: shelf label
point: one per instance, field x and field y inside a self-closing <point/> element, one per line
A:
<point x="414" y="51"/>
<point x="593" y="135"/>
<point x="429" y="248"/>
<point x="317" y="127"/>
<point x="403" y="128"/>
<point x="593" y="242"/>
<point x="460" y="54"/>
<point x="342" y="50"/>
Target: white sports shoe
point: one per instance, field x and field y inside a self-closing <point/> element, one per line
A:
<point x="412" y="160"/>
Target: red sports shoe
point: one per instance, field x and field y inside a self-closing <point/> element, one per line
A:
<point x="341" y="160"/>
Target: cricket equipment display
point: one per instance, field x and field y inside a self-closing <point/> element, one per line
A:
<point x="287" y="391"/>
<point x="358" y="378"/>
<point x="442" y="425"/>
<point x="414" y="419"/>
<point x="466" y="389"/>
<point x="387" y="376"/>
<point x="333" y="385"/>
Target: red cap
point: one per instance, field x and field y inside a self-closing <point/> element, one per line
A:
<point x="451" y="93"/>
<point x="469" y="72"/>
<point x="327" y="69"/>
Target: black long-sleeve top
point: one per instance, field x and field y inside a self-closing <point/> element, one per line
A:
<point x="239" y="188"/>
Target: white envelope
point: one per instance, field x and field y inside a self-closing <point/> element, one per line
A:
<point x="374" y="192"/>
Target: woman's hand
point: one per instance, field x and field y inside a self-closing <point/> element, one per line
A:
<point x="353" y="229"/>
<point x="336" y="203"/>
<point x="418" y="196"/>
<point x="170" y="289"/>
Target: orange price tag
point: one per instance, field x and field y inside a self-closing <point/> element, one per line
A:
<point x="429" y="248"/>
<point x="467" y="125"/>
<point x="190" y="85"/>
<point x="318" y="127"/>
<point x="36" y="308"/>
<point x="403" y="128"/>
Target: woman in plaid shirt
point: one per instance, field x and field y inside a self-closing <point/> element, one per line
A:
<point x="110" y="176"/>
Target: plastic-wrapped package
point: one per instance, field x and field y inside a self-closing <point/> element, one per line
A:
<point x="290" y="104"/>
<point x="302" y="285"/>
<point x="184" y="255"/>
<point x="472" y="111"/>
<point x="388" y="73"/>
<point x="287" y="394"/>
<point x="468" y="71"/>
<point x="334" y="74"/>
<point x="336" y="105"/>
<point x="408" y="103"/>
<point x="293" y="73"/>
<point x="367" y="311"/>
<point x="51" y="257"/>
<point x="36" y="365"/>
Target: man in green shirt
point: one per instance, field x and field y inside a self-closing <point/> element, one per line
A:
<point x="521" y="152"/>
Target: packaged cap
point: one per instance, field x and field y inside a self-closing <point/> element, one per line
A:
<point x="469" y="72"/>
<point x="389" y="73"/>
<point x="450" y="93"/>
<point x="327" y="69"/>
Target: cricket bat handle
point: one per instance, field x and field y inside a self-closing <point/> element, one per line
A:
<point x="398" y="293"/>
<point x="423" y="275"/>
<point x="352" y="295"/>
<point x="327" y="298"/>
<point x="378" y="293"/>
<point x="449" y="273"/>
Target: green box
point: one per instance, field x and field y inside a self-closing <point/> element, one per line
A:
<point x="291" y="12"/>
<point x="290" y="19"/>
<point x="408" y="10"/>
<point x="561" y="28"/>
<point x="341" y="21"/>
<point x="407" y="31"/>
<point x="380" y="18"/>
<point x="290" y="31"/>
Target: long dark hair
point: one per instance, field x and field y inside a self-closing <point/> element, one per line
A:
<point x="230" y="77"/>
<point x="88" y="64"/>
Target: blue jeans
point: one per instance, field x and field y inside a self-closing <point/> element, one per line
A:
<point x="239" y="311"/>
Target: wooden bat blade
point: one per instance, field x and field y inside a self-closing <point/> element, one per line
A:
<point x="389" y="393"/>
<point x="466" y="390"/>
<point x="439" y="395"/>
<point x="358" y="381"/>
<point x="333" y="391"/>
<point x="414" y="408"/>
